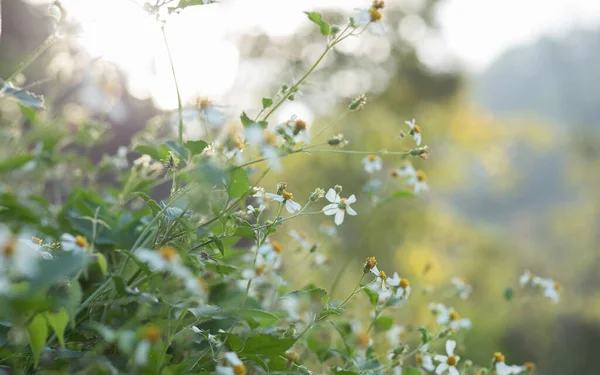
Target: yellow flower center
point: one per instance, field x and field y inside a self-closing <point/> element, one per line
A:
<point x="203" y="103"/>
<point x="239" y="369"/>
<point x="394" y="173"/>
<point x="374" y="14"/>
<point x="36" y="240"/>
<point x="152" y="333"/>
<point x="454" y="315"/>
<point x="451" y="360"/>
<point x="419" y="359"/>
<point x="287" y="195"/>
<point x="276" y="247"/>
<point x="300" y="125"/>
<point x="371" y="262"/>
<point x="292" y="357"/>
<point x="259" y="270"/>
<point x="556" y="286"/>
<point x="11" y="246"/>
<point x="498" y="357"/>
<point x="404" y="283"/>
<point x="382" y="275"/>
<point x="81" y="242"/>
<point x="530" y="366"/>
<point x="372" y="157"/>
<point x="416" y="129"/>
<point x="378" y="4"/>
<point x="168" y="253"/>
<point x="363" y="339"/>
<point x="421" y="176"/>
<point x="270" y="138"/>
<point x="239" y="143"/>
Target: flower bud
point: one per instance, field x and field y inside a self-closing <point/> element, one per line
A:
<point x="358" y="103"/>
<point x="281" y="187"/>
<point x="338" y="189"/>
<point x="317" y="194"/>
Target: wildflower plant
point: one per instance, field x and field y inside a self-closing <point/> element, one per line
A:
<point x="112" y="281"/>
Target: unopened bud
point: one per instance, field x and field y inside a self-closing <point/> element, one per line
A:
<point x="337" y="141"/>
<point x="281" y="187"/>
<point x="358" y="103"/>
<point x="317" y="194"/>
<point x="338" y="189"/>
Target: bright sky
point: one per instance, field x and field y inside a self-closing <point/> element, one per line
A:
<point x="475" y="31"/>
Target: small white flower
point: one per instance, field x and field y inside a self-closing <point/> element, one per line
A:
<point x="415" y="131"/>
<point x="321" y="259"/>
<point x="73" y="243"/>
<point x="424" y="359"/>
<point x="16" y="257"/>
<point x="236" y="366"/>
<point x="448" y="362"/>
<point x="339" y="206"/>
<point x="210" y="113"/>
<point x="396" y="335"/>
<point x="551" y="289"/>
<point x="383" y="283"/>
<point x="463" y="289"/>
<point x="372" y="163"/>
<point x="419" y="182"/>
<point x="450" y="317"/>
<point x="251" y="210"/>
<point x="271" y="250"/>
<point x="285" y="197"/>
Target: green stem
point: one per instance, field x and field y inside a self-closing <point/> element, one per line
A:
<point x="381" y="152"/>
<point x="179" y="105"/>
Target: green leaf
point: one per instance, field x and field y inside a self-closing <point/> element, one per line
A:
<point x="373" y="297"/>
<point x="24" y="97"/>
<point x="75" y="298"/>
<point x="187" y="3"/>
<point x="195" y="147"/>
<point x="149" y="201"/>
<point x="219" y="244"/>
<point x="261" y="317"/>
<point x="38" y="333"/>
<point x="58" y="321"/>
<point x="102" y="263"/>
<point x="267" y="102"/>
<point x="245" y="231"/>
<point x="411" y="371"/>
<point x="267" y="345"/>
<point x="383" y="323"/>
<point x="13" y="163"/>
<point x="245" y="119"/>
<point x="29" y="113"/>
<point x="316" y="17"/>
<point x="177" y="148"/>
<point x="238" y="183"/>
<point x="66" y="265"/>
<point x="401" y="194"/>
<point x="149" y="150"/>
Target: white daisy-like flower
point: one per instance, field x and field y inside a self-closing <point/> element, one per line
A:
<point x="405" y="170"/>
<point x="339" y="206"/>
<point x="529" y="278"/>
<point x="383" y="284"/>
<point x="254" y="211"/>
<point x="296" y="129"/>
<point x="448" y="362"/>
<point x="424" y="358"/>
<point x="463" y="288"/>
<point x="150" y="335"/>
<point x="419" y="182"/>
<point x="450" y="317"/>
<point x="321" y="259"/>
<point x="271" y="250"/>
<point x="372" y="163"/>
<point x="415" y="131"/>
<point x="301" y="239"/>
<point x="396" y="335"/>
<point x="258" y="270"/>
<point x="404" y="289"/>
<point x="285" y="197"/>
<point x="503" y="369"/>
<point x="236" y="366"/>
<point x="73" y="243"/>
<point x="551" y="289"/>
<point x="211" y="113"/>
<point x="16" y="257"/>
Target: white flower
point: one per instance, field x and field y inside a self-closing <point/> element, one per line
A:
<point x="415" y="131"/>
<point x="504" y="369"/>
<point x="259" y="268"/>
<point x="419" y="182"/>
<point x="339" y="206"/>
<point x="321" y="259"/>
<point x="271" y="250"/>
<point x="285" y="197"/>
<point x="372" y="163"/>
<point x="251" y="210"/>
<point x="150" y="335"/>
<point x="236" y="365"/>
<point x="16" y="257"/>
<point x="73" y="243"/>
<point x="424" y="359"/>
<point x="210" y="113"/>
<point x="383" y="283"/>
<point x="448" y="362"/>
<point x="300" y="238"/>
<point x="405" y="170"/>
<point x="449" y="316"/>
<point x="551" y="289"/>
<point x="266" y="142"/>
<point x="463" y="289"/>
<point x="396" y="335"/>
<point x="296" y="129"/>
<point x="529" y="278"/>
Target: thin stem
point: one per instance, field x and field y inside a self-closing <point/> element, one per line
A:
<point x="179" y="106"/>
<point x="381" y="152"/>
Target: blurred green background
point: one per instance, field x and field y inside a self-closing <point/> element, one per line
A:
<point x="513" y="171"/>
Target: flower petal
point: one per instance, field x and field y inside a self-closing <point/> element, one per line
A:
<point x="292" y="206"/>
<point x="351" y="199"/>
<point x="350" y="211"/>
<point x="453" y="371"/>
<point x="331" y="209"/>
<point x="441" y="368"/>
<point x="450" y="346"/>
<point x="275" y="197"/>
<point x="339" y="217"/>
<point x="332" y="196"/>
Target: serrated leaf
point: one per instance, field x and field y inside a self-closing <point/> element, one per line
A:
<point x="238" y="183"/>
<point x="58" y="321"/>
<point x="38" y="333"/>
<point x="267" y="345"/>
<point x="24" y="97"/>
<point x="102" y="263"/>
<point x="10" y="164"/>
<point x="267" y="102"/>
<point x="195" y="147"/>
<point x="246" y="121"/>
